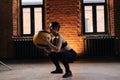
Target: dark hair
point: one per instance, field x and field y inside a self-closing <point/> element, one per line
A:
<point x="55" y="25"/>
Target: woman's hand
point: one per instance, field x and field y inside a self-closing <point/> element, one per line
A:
<point x="46" y="51"/>
<point x="56" y="47"/>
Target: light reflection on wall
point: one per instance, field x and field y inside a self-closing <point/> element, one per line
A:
<point x="75" y="42"/>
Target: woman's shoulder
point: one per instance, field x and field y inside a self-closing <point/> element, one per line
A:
<point x="62" y="37"/>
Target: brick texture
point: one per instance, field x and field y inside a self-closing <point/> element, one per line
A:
<point x="5" y="28"/>
<point x="67" y="12"/>
<point x="117" y="17"/>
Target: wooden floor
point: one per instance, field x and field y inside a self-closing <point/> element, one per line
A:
<point x="40" y="70"/>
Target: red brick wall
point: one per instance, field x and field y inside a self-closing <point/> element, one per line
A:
<point x="67" y="13"/>
<point x="16" y="17"/>
<point x="110" y="15"/>
<point x="117" y="17"/>
<point x="117" y="23"/>
<point x="5" y="28"/>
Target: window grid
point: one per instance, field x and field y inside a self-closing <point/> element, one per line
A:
<point x="95" y="18"/>
<point x="36" y="9"/>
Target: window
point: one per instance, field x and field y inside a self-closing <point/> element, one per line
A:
<point x="94" y="17"/>
<point x="31" y="17"/>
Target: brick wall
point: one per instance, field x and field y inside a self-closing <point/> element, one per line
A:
<point x="110" y="16"/>
<point x="16" y="17"/>
<point x="117" y="17"/>
<point x="68" y="14"/>
<point x="5" y="28"/>
<point x="117" y="23"/>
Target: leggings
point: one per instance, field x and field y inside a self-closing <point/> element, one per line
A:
<point x="65" y="57"/>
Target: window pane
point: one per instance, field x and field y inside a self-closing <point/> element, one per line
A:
<point x="38" y="19"/>
<point x="100" y="19"/>
<point x="26" y="21"/>
<point x="88" y="19"/>
<point x="32" y="2"/>
<point x="93" y="1"/>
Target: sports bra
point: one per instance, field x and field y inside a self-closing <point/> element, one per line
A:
<point x="64" y="44"/>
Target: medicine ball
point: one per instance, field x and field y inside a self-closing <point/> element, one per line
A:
<point x="38" y="41"/>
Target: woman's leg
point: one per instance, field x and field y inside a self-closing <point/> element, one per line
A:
<point x="68" y="72"/>
<point x="65" y="62"/>
<point x="54" y="59"/>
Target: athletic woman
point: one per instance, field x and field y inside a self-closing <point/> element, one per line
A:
<point x="60" y="50"/>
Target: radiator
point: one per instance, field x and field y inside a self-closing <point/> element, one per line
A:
<point x="99" y="46"/>
<point x="24" y="48"/>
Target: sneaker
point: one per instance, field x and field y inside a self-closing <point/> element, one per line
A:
<point x="60" y="71"/>
<point x="67" y="74"/>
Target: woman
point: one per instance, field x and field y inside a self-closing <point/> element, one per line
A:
<point x="60" y="51"/>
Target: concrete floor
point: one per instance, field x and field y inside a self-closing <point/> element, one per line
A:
<point x="82" y="70"/>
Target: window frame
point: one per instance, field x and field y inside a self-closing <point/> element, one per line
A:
<point x="94" y="6"/>
<point x="32" y="7"/>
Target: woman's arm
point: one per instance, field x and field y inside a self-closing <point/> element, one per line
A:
<point x="57" y="46"/>
<point x="46" y="51"/>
